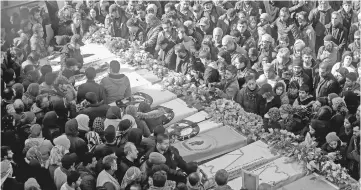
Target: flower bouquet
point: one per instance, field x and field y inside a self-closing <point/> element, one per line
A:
<point x="98" y="37"/>
<point x="250" y="124"/>
<point x="176" y="83"/>
<point x="224" y="111"/>
<point x="281" y="142"/>
<point x="116" y="45"/>
<point x="337" y="175"/>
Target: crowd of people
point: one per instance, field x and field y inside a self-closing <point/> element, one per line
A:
<point x="274" y="58"/>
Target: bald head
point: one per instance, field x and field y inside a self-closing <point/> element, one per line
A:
<point x="217" y="34"/>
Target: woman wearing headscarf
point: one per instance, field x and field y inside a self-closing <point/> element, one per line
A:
<point x="30" y="95"/>
<point x="41" y="174"/>
<point x="132" y="174"/>
<point x="113" y="116"/>
<point x="83" y="125"/>
<point x="36" y="139"/>
<point x="56" y="154"/>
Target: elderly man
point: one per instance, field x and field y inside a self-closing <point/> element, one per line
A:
<point x="325" y="83"/>
<point x="265" y="45"/>
<point x="232" y="47"/>
<point x="217" y="37"/>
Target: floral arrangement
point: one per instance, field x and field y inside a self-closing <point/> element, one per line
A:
<point x="231" y="113"/>
<point x="117" y="45"/>
<point x="98" y="37"/>
<point x="177" y="83"/>
<point x="313" y="158"/>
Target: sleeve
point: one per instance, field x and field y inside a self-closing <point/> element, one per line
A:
<point x="144" y="127"/>
<point x="343" y="40"/>
<point x="295" y="32"/>
<point x="181" y="163"/>
<point x="152" y="114"/>
<point x="239" y="97"/>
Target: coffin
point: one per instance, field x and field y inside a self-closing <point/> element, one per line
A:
<point x="137" y="82"/>
<point x="272" y="175"/>
<point x="180" y="110"/>
<point x="210" y="144"/>
<point x="247" y="157"/>
<point x="312" y="181"/>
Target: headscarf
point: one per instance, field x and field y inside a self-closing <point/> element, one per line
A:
<point x="339" y="105"/>
<point x="351" y="100"/>
<point x="93" y="139"/>
<point x="131" y="119"/>
<point x="98" y="125"/>
<point x="83" y="122"/>
<point x="34" y="153"/>
<point x="56" y="154"/>
<point x="114" y="112"/>
<point x="152" y="6"/>
<point x="324" y="113"/>
<point x="132" y="174"/>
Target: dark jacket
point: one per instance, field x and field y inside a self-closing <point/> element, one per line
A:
<point x="336" y="122"/>
<point x="77" y="145"/>
<point x="184" y="65"/>
<point x="211" y="75"/>
<point x="249" y="100"/>
<point x="117" y="27"/>
<point x="123" y="165"/>
<point x="226" y="24"/>
<point x="94" y="111"/>
<point x="90" y="86"/>
<point x="339" y="34"/>
<point x="117" y="87"/>
<point x="265" y="106"/>
<point x="327" y="86"/>
<point x="168" y="56"/>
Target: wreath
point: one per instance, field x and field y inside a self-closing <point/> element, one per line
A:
<point x="183" y="130"/>
<point x="168" y="116"/>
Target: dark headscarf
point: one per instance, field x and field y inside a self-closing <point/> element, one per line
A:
<point x="321" y="130"/>
<point x="19" y="90"/>
<point x="135" y="136"/>
<point x="33" y="89"/>
<point x="114" y="112"/>
<point x="324" y="113"/>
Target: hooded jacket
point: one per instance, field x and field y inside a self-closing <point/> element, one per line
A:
<point x="117" y="87"/>
<point x="77" y="145"/>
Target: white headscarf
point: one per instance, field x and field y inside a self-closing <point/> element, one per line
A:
<point x="83" y="122"/>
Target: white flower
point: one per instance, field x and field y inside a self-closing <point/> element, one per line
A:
<point x="334" y="174"/>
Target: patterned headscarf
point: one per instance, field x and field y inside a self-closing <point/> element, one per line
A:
<point x="93" y="139"/>
<point x="132" y="174"/>
<point x="56" y="154"/>
<point x="34" y="153"/>
<point x="98" y="125"/>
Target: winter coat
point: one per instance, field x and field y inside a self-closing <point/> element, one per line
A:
<point x="123" y="165"/>
<point x="308" y="35"/>
<point x="353" y="28"/>
<point x="227" y="25"/>
<point x="168" y="56"/>
<point x="304" y="102"/>
<point x="348" y="18"/>
<point x="90" y="86"/>
<point x="37" y="44"/>
<point x="117" y="27"/>
<point x="353" y="155"/>
<point x="151" y="38"/>
<point x="303" y="78"/>
<point x="230" y="89"/>
<point x="266" y="106"/>
<point x="117" y="87"/>
<point x="94" y="111"/>
<point x="60" y="176"/>
<point x="214" y="14"/>
<point x="287" y="28"/>
<point x="339" y="34"/>
<point x="336" y="121"/>
<point x="323" y="54"/>
<point x="319" y="19"/>
<point x="211" y="75"/>
<point x="249" y="100"/>
<point x="323" y="87"/>
<point x="184" y="65"/>
<point x="77" y="145"/>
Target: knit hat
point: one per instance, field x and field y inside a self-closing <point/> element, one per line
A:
<point x="156" y="158"/>
<point x="299" y="45"/>
<point x="330" y="137"/>
<point x="352" y="76"/>
<point x="18" y="104"/>
<point x="124" y="125"/>
<point x="265" y="88"/>
<point x="83" y="122"/>
<point x="27" y="117"/>
<point x="286" y="108"/>
<point x="109" y="133"/>
<point x="98" y="125"/>
<point x="49" y="119"/>
<point x="346" y="53"/>
<point x="297" y="62"/>
<point x="69" y="159"/>
<point x="91" y="97"/>
<point x="328" y="38"/>
<point x="63" y="141"/>
<point x="35" y="130"/>
<point x="31" y="183"/>
<point x="114" y="112"/>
